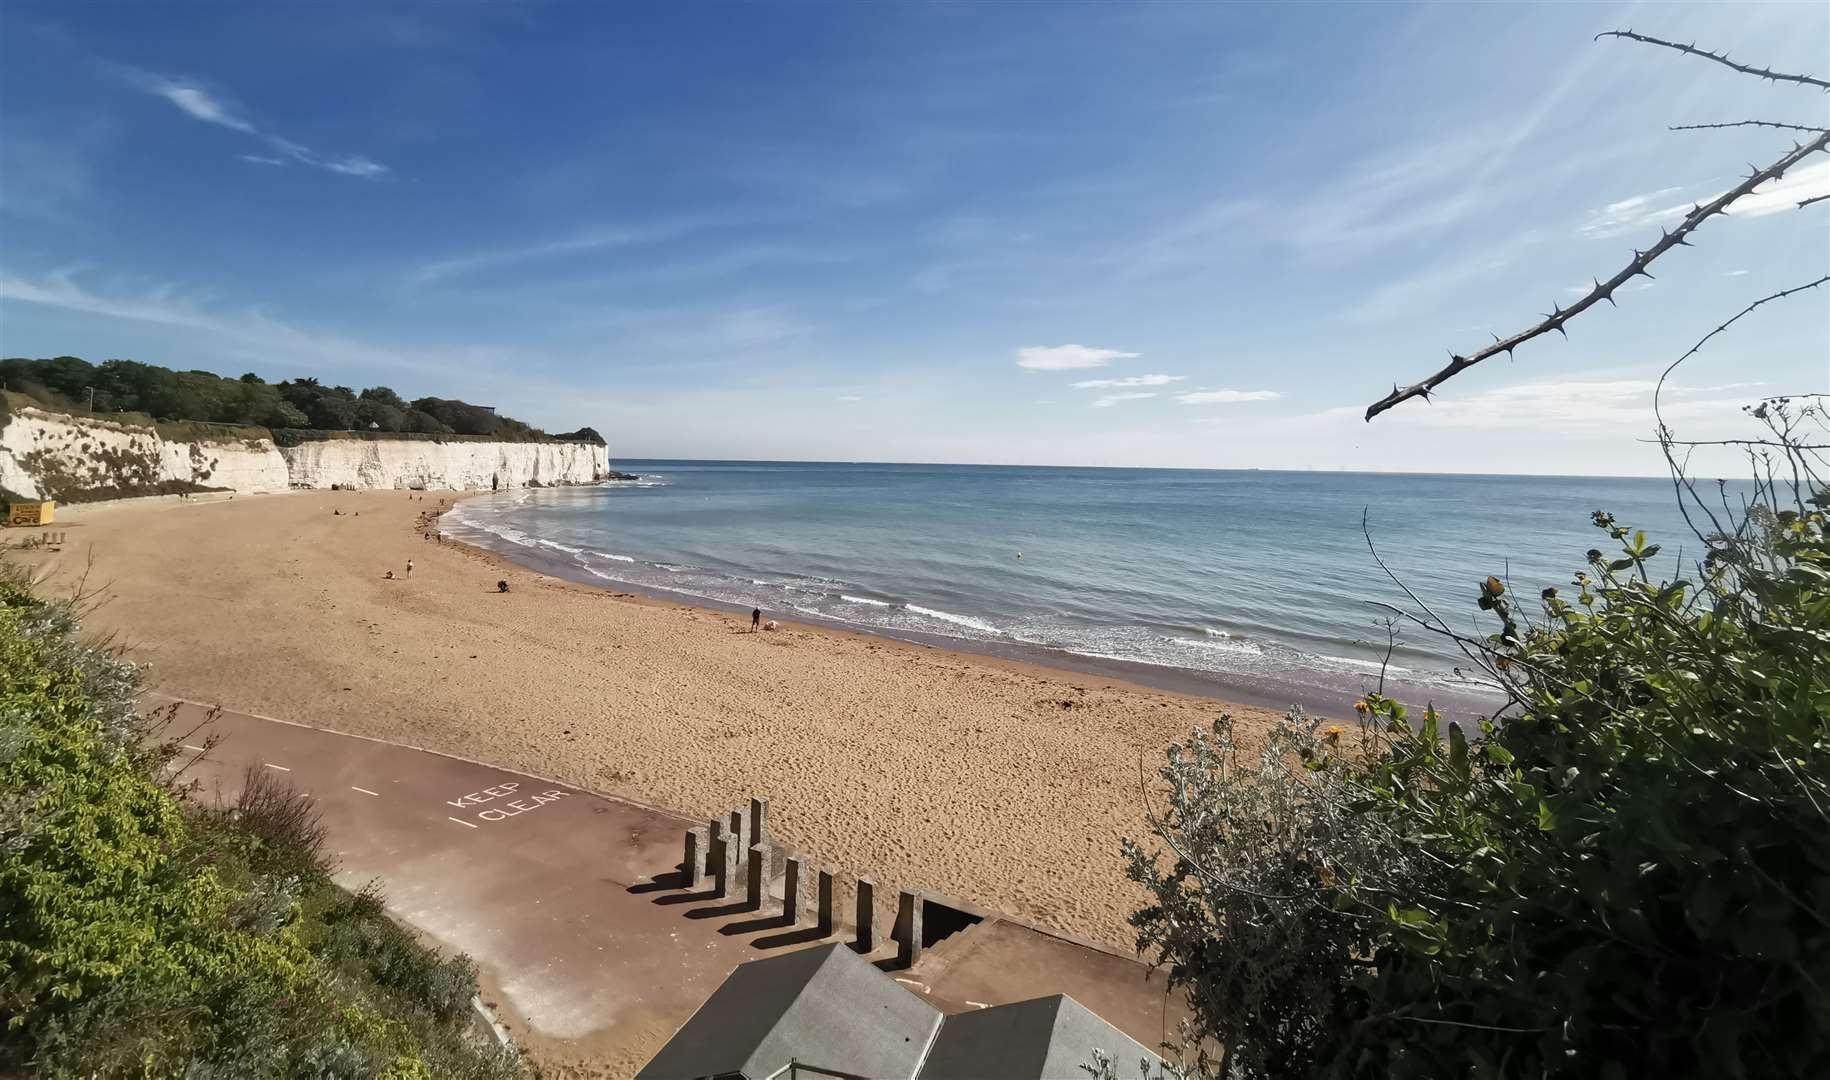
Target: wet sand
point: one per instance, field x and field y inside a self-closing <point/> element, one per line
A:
<point x="1002" y="783"/>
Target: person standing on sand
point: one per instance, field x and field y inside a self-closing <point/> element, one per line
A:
<point x="409" y="567"/>
<point x="755" y="619"/>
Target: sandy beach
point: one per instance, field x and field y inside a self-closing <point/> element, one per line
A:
<point x="1001" y="783"/>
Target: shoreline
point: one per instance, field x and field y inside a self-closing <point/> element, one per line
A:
<point x="1110" y="674"/>
<point x="1005" y="783"/>
<point x="1230" y="688"/>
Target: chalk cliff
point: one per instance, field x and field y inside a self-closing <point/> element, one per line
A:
<point x="53" y="455"/>
<point x="46" y="454"/>
<point x="422" y="463"/>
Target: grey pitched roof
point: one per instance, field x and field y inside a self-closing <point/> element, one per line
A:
<point x="823" y="1006"/>
<point x="1047" y="1038"/>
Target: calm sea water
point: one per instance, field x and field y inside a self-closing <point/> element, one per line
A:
<point x="1249" y="583"/>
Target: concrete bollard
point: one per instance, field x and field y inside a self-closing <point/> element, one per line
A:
<point x="695" y="857"/>
<point x="759" y="821"/>
<point x="740" y="830"/>
<point x="823" y="901"/>
<point x="718" y="859"/>
<point x="757" y="896"/>
<point x="908" y="928"/>
<point x="792" y="873"/>
<point x="867" y="909"/>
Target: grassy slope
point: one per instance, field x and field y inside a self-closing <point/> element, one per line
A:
<point x="142" y="935"/>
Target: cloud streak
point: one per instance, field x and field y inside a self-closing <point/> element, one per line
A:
<point x="1226" y="397"/>
<point x="598" y="238"/>
<point x="1067" y="357"/>
<point x="199" y="103"/>
<point x="1128" y="381"/>
<point x="1110" y="400"/>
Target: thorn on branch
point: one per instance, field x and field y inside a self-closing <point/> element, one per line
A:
<point x="1722" y="58"/>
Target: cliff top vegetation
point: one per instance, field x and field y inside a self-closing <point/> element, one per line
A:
<point x="71" y="384"/>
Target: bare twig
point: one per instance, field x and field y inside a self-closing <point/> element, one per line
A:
<point x="1746" y="123"/>
<point x="1678" y="477"/>
<point x="1720" y="58"/>
<point x="1737" y="442"/>
<point x="1558" y="316"/>
<point x="1802" y="203"/>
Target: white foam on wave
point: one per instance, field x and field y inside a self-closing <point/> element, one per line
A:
<point x="957" y="620"/>
<point x="1362" y="665"/>
<point x="865" y="600"/>
<point x="608" y="555"/>
<point x="1244" y="648"/>
<point x="561" y="547"/>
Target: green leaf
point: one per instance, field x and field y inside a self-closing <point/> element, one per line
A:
<point x="1458" y="751"/>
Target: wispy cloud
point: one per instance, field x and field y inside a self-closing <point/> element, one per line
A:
<point x="1226" y="397"/>
<point x="1661" y="207"/>
<point x="1067" y="357"/>
<point x="200" y="103"/>
<point x="595" y="238"/>
<point x="850" y="397"/>
<point x="252" y="331"/>
<point x="1785" y="193"/>
<point x="1635" y="211"/>
<point x="1128" y="381"/>
<point x="1110" y="400"/>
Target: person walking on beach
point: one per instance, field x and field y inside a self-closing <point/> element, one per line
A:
<point x="755" y="619"/>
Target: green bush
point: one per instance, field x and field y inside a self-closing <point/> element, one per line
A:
<point x="1628" y="875"/>
<point x="137" y="939"/>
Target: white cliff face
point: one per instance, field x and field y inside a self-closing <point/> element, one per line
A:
<point x="253" y="466"/>
<point x="420" y="463"/>
<point x="45" y="453"/>
<point x="42" y="453"/>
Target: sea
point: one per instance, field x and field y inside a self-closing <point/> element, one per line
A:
<point x="1246" y="585"/>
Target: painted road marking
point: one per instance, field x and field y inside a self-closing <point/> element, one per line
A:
<point x="460" y="821"/>
<point x="477" y="798"/>
<point x="188" y="746"/>
<point x="978" y="1004"/>
<point x="271" y="765"/>
<point x="365" y="791"/>
<point x="522" y="806"/>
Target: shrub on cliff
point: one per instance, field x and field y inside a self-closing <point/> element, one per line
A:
<point x="1629" y="875"/>
<point x="139" y="938"/>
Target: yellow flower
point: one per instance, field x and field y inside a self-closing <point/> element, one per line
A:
<point x="1361" y="707"/>
<point x="1333" y="733"/>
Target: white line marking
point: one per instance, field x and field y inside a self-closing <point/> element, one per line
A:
<point x="977" y="1004"/>
<point x="365" y="791"/>
<point x="459" y="820"/>
<point x="188" y="746"/>
<point x="271" y="765"/>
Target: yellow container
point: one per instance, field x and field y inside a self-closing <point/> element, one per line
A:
<point x="30" y="513"/>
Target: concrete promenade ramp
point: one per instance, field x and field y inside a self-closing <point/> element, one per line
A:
<point x="571" y="904"/>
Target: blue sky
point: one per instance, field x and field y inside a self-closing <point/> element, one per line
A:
<point x="1188" y="234"/>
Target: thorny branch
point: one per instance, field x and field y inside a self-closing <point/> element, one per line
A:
<point x="1699" y="213"/>
<point x="1604" y="290"/>
<point x="1720" y="58"/>
<point x="1746" y="123"/>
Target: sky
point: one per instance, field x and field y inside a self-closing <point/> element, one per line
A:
<point x="1194" y="235"/>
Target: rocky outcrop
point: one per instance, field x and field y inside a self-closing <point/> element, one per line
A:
<point x="424" y="463"/>
<point x="73" y="458"/>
